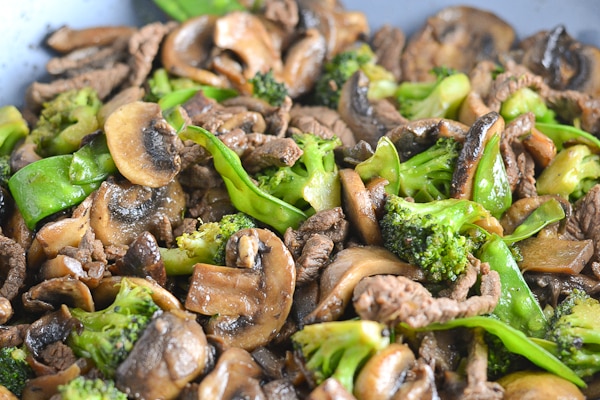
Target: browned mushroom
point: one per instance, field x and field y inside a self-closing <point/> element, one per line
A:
<point x="384" y="372"/>
<point x="303" y="63"/>
<point x="125" y="96"/>
<point x="525" y="385"/>
<point x="186" y="49"/>
<point x="551" y="254"/>
<point x="456" y="37"/>
<point x="236" y="375"/>
<point x="142" y="144"/>
<point x="469" y="156"/>
<point x="368" y="120"/>
<point x="349" y="266"/>
<point x="142" y="259"/>
<point x="52" y="293"/>
<point x="66" y="39"/>
<point x="359" y="208"/>
<point x="330" y="389"/>
<point x="250" y="298"/>
<point x="122" y="211"/>
<point x="171" y="352"/>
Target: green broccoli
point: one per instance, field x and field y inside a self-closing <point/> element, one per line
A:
<point x="571" y="174"/>
<point x="441" y="98"/>
<point x="501" y="361"/>
<point x="82" y="388"/>
<point x="12" y="128"/>
<point x="312" y="183"/>
<point x="434" y="235"/>
<point x="265" y="87"/>
<point x="14" y="369"/>
<point x="64" y="121"/>
<point x="574" y="333"/>
<point x="427" y="176"/>
<point x="205" y="245"/>
<point x="339" y="348"/>
<point x="526" y="100"/>
<point x="5" y="170"/>
<point x="108" y="335"/>
<point x="342" y="66"/>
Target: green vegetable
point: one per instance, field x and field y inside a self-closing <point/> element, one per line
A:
<point x="517" y="306"/>
<point x="341" y="67"/>
<point x="432" y="235"/>
<point x="547" y="213"/>
<point x="82" y="388"/>
<point x="181" y="10"/>
<point x="5" y="170"/>
<point x="515" y="341"/>
<point x="64" y="121"/>
<point x="339" y="348"/>
<point x="244" y="194"/>
<point x="427" y="176"/>
<point x="108" y="335"/>
<point x="205" y="245"/>
<point x="265" y="87"/>
<point x="491" y="187"/>
<point x="312" y="183"/>
<point x="14" y="369"/>
<point x="574" y="333"/>
<point x="526" y="100"/>
<point x="571" y="174"/>
<point x="12" y="128"/>
<point x="56" y="183"/>
<point x="384" y="163"/>
<point x="563" y="135"/>
<point x="440" y="98"/>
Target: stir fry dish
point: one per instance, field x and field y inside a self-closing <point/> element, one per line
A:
<point x="273" y="200"/>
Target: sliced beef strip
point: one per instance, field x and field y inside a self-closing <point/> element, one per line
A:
<point x="387" y="43"/>
<point x="570" y="105"/>
<point x="57" y="355"/>
<point x="586" y="215"/>
<point x="279" y="152"/>
<point x="321" y="121"/>
<point x="144" y="45"/>
<point x="88" y="58"/>
<point x="316" y="255"/>
<point x="478" y="387"/>
<point x="13" y="268"/>
<point x="550" y="288"/>
<point x="519" y="164"/>
<point x="12" y="335"/>
<point x="514" y="78"/>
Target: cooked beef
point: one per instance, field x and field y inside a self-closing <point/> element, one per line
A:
<point x="440" y="350"/>
<point x="514" y="78"/>
<point x="322" y="121"/>
<point x="519" y="164"/>
<point x="387" y="43"/>
<point x="393" y="299"/>
<point x="144" y="45"/>
<point x="13" y="268"/>
<point x="571" y="105"/>
<point x="88" y="58"/>
<point x="586" y="216"/>
<point x="279" y="152"/>
<point x="315" y="256"/>
<point x="142" y="259"/>
<point x="57" y="355"/>
<point x="550" y="288"/>
<point x="478" y="387"/>
<point x="12" y="335"/>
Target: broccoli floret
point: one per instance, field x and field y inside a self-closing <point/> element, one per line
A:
<point x="440" y="98"/>
<point x="5" y="170"/>
<point x="108" y="335"/>
<point x="64" y="121"/>
<point x="14" y="369"/>
<point x="205" y="245"/>
<point x="265" y="87"/>
<point x="12" y="128"/>
<point x="434" y="235"/>
<point x="526" y="100"/>
<point x="82" y="388"/>
<point x="501" y="361"/>
<point x="427" y="176"/>
<point x="339" y="348"/>
<point x="342" y="66"/>
<point x="312" y="183"/>
<point x="575" y="333"/>
<point x="571" y="174"/>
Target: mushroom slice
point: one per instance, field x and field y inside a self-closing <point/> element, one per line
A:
<point x="359" y="207"/>
<point x="303" y="63"/>
<point x="381" y="376"/>
<point x="50" y="294"/>
<point x="551" y="254"/>
<point x="142" y="144"/>
<point x="468" y="159"/>
<point x="349" y="266"/>
<point x="236" y="376"/>
<point x="248" y="300"/>
<point x="186" y="49"/>
<point x="122" y="211"/>
<point x="171" y="352"/>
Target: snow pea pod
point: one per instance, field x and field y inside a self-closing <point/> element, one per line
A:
<point x="244" y="194"/>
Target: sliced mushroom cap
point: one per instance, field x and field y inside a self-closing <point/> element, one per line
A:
<point x="381" y="376"/>
<point x="52" y="327"/>
<point x="303" y="63"/>
<point x="538" y="385"/>
<point x="550" y="254"/>
<point x="368" y="120"/>
<point x="142" y="259"/>
<point x="468" y="159"/>
<point x="563" y="62"/>
<point x="171" y="352"/>
<point x="143" y="145"/>
<point x="52" y="293"/>
<point x="349" y="266"/>
<point x="456" y="37"/>
<point x="186" y="49"/>
<point x="235" y="376"/>
<point x="122" y="211"/>
<point x="249" y="299"/>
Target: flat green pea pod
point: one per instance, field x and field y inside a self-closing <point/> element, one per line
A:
<point x="244" y="194"/>
<point x="385" y="163"/>
<point x="12" y="128"/>
<point x="492" y="188"/>
<point x="182" y="10"/>
<point x="547" y="213"/>
<point x="562" y="134"/>
<point x="517" y="306"/>
<point x="56" y="183"/>
<point x="516" y="342"/>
